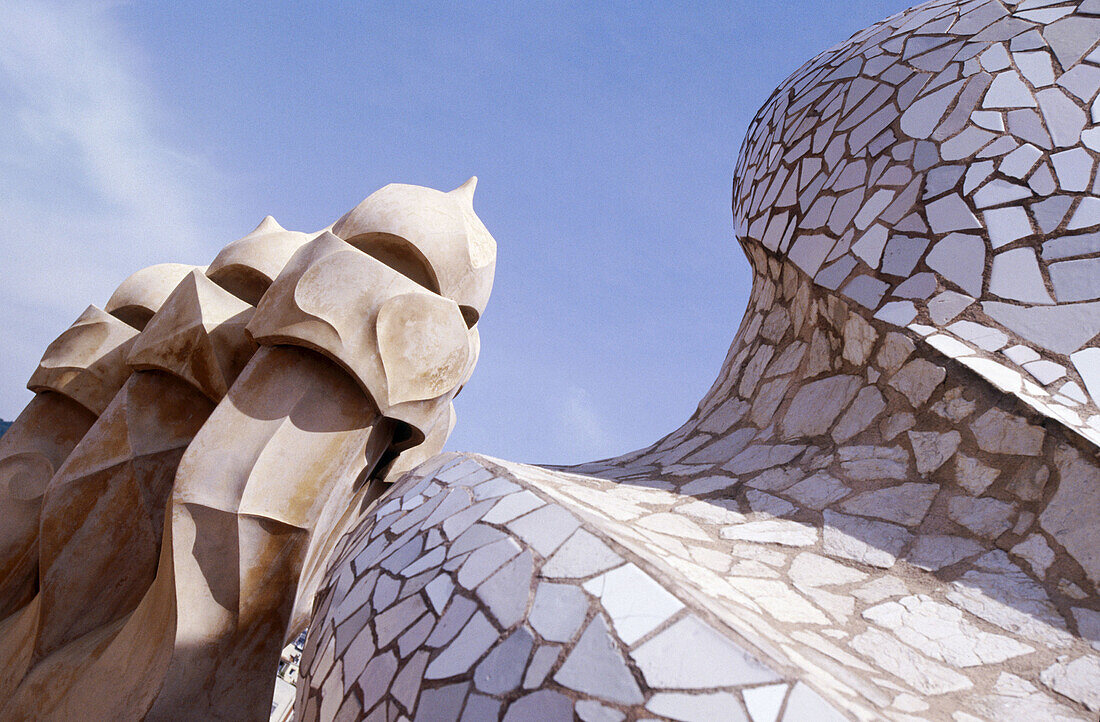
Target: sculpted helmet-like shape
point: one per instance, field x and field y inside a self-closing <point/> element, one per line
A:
<point x="248" y="266"/>
<point x="201" y="455"/>
<point x="143" y="292"/>
<point x="392" y="294"/>
<point x="435" y="238"/>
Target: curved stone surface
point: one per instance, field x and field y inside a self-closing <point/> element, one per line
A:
<point x="939" y="170"/>
<point x="407" y="347"/>
<point x="198" y="335"/>
<point x="248" y="266"/>
<point x="435" y="238"/>
<point x="143" y="293"/>
<point x="886" y="506"/>
<point x="85" y="363"/>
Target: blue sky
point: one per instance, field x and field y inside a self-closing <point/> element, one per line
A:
<point x="604" y="135"/>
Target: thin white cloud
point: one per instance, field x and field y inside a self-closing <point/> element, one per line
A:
<point x="584" y="432"/>
<point x="89" y="189"/>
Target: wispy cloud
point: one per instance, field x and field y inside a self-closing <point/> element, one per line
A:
<point x="585" y="434"/>
<point x="90" y="190"/>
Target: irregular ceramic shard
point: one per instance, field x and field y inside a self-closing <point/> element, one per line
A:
<point x="968" y="119"/>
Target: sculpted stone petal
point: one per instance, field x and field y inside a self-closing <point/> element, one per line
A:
<point x="86" y="362"/>
<point x="143" y="293"/>
<point x="199" y="335"/>
<point x="423" y="345"/>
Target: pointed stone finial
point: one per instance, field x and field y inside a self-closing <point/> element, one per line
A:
<point x="467" y="189"/>
<point x="267" y="225"/>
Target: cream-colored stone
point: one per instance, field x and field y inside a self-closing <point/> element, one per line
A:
<point x="859" y="339"/>
<point x="333" y="297"/>
<point x="371" y="332"/>
<point x="433" y="237"/>
<point x="77" y="379"/>
<point x="143" y="293"/>
<point x="932" y="450"/>
<point x="1071" y="516"/>
<point x="999" y="432"/>
<point x="247" y="266"/>
<point x="103" y="513"/>
<point x="424" y="346"/>
<point x="198" y="335"/>
<point x="85" y="363"/>
<point x="179" y="584"/>
<point x="917" y="380"/>
<point x="31" y="450"/>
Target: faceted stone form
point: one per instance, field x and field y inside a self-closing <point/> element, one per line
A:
<point x="171" y="545"/>
<point x="143" y="293"/>
<point x="86" y="363"/>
